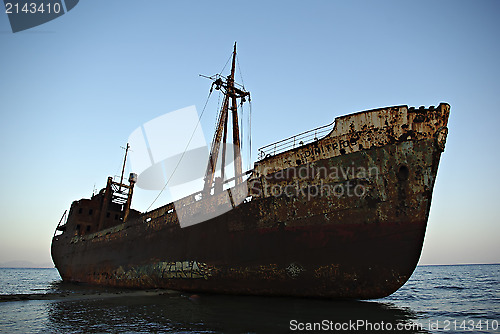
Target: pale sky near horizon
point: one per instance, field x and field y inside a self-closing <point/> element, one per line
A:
<point x="73" y="90"/>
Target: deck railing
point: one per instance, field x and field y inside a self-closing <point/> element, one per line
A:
<point x="295" y="141"/>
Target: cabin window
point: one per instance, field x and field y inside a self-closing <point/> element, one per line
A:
<point x="90" y="211"/>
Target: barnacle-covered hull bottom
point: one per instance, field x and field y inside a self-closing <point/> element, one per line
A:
<point x="342" y="217"/>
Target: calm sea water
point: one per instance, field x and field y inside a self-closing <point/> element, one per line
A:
<point x="437" y="299"/>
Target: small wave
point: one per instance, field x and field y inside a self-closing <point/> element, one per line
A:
<point x="22" y="296"/>
<point x="405" y="297"/>
<point x="450" y="287"/>
<point x="487" y="315"/>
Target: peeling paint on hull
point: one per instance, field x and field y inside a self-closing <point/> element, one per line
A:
<point x="296" y="236"/>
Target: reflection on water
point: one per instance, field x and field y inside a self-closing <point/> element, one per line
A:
<point x="87" y="309"/>
<point x="433" y="296"/>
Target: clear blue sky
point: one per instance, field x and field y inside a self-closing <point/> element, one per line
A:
<point x="73" y="89"/>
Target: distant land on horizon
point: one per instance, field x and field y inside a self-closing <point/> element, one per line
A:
<point x="25" y="264"/>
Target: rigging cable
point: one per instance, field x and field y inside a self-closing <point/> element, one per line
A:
<point x="241" y="74"/>
<point x="249" y="135"/>
<point x="183" y="153"/>
<point x="219" y="107"/>
<point x="249" y="118"/>
<point x="227" y="62"/>
<point x="218" y="115"/>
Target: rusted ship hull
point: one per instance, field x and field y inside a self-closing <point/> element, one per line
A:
<point x="341" y="217"/>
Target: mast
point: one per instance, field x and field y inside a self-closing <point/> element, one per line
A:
<point x="124" y="162"/>
<point x="236" y="128"/>
<point x="230" y="104"/>
<point x="117" y="194"/>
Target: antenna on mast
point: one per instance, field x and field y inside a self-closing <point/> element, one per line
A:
<point x="124" y="162"/>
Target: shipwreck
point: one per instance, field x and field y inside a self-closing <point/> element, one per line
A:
<point x="339" y="212"/>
